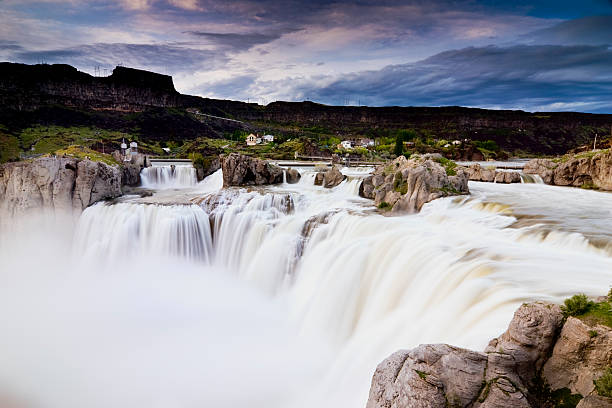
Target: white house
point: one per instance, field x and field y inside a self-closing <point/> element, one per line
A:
<point x="456" y="142"/>
<point x="258" y="140"/>
<point x="251" y="140"/>
<point x="268" y="138"/>
<point x="366" y="142"/>
<point x="346" y="144"/>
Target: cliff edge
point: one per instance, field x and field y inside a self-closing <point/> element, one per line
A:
<point x="542" y="360"/>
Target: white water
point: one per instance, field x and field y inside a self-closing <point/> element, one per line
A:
<point x="290" y="299"/>
<point x="170" y="176"/>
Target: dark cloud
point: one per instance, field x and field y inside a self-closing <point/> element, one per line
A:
<point x="236" y="86"/>
<point x="236" y="41"/>
<point x="164" y="58"/>
<point x="530" y="77"/>
<point x="594" y="30"/>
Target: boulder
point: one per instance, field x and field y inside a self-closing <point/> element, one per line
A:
<point x="438" y="375"/>
<point x="405" y="185"/>
<point x="67" y="184"/>
<point x="580" y="356"/>
<point x="292" y="175"/>
<point x="241" y="170"/>
<point x="333" y="177"/>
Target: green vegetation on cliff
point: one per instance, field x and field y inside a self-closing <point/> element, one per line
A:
<point x="590" y="312"/>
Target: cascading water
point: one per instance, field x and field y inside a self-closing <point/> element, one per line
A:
<point x="305" y="289"/>
<point x="531" y="178"/>
<point x="170" y="176"/>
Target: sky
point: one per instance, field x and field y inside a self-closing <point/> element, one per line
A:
<point x="534" y="56"/>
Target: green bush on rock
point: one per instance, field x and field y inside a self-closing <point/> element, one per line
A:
<point x="576" y="305"/>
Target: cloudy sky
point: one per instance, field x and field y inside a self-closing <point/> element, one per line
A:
<point x="544" y="55"/>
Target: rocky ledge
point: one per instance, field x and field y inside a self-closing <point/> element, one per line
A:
<point x="587" y="170"/>
<point x="241" y="170"/>
<point x="478" y="173"/>
<point x="67" y="184"/>
<point x="404" y="185"/>
<point x="542" y="360"/>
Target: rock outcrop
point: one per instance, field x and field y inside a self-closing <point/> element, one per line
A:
<point x="537" y="356"/>
<point x="592" y="169"/>
<point x="66" y="184"/>
<point x="580" y="356"/>
<point x="292" y="175"/>
<point x="405" y="185"/>
<point x="241" y="170"/>
<point x="477" y="173"/>
<point x="329" y="178"/>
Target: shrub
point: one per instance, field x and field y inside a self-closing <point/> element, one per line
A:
<point x="384" y="206"/>
<point x="603" y="384"/>
<point x="576" y="305"/>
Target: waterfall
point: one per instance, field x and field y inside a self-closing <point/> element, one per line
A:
<point x="125" y="230"/>
<point x="171" y="176"/>
<point x="306" y="289"/>
<point x="531" y="178"/>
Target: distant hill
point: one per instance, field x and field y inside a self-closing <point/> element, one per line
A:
<point x="147" y="104"/>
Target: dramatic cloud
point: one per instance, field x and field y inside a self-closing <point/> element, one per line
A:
<point x="480" y="53"/>
<point x="528" y="77"/>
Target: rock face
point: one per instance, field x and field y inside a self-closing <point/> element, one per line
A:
<point x="538" y="355"/>
<point x="56" y="183"/>
<point x="292" y="176"/>
<point x="582" y="170"/>
<point x="405" y="185"/>
<point x="477" y="173"/>
<point x="581" y="355"/>
<point x="240" y="170"/>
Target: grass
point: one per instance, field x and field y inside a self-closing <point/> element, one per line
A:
<point x="449" y="165"/>
<point x="9" y="148"/>
<point x="81" y="152"/>
<point x="385" y="206"/>
<point x="603" y="385"/>
<point x="591" y="313"/>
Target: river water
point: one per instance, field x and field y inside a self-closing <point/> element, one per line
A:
<point x="284" y="296"/>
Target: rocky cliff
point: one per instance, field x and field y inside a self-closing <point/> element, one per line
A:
<point x="588" y="170"/>
<point x="540" y="361"/>
<point x="28" y="87"/>
<point x="65" y="184"/>
<point x="35" y="93"/>
<point x="405" y="185"/>
<point x="241" y="170"/>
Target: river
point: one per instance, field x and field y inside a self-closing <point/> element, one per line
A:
<point x="283" y="296"/>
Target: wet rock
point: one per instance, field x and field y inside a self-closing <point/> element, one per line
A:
<point x="332" y="177"/>
<point x="292" y="175"/>
<point x="581" y="355"/>
<point x="241" y="170"/>
<point x="405" y="185"/>
<point x="56" y="183"/>
<point x="319" y="177"/>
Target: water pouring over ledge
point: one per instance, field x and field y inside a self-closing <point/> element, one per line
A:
<point x="303" y="289"/>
